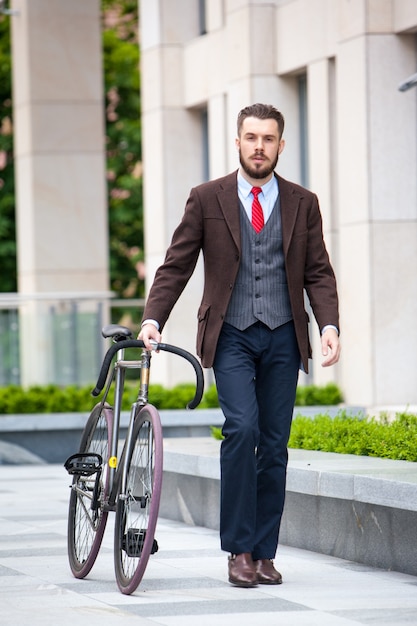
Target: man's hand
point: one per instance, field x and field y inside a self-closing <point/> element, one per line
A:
<point x="148" y="332"/>
<point x="330" y="347"/>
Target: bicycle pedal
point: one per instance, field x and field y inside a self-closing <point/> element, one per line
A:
<point x="133" y="542"/>
<point x="84" y="464"/>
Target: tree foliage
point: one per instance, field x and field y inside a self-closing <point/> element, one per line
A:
<point x="123" y="150"/>
<point x="123" y="130"/>
<point x="7" y="214"/>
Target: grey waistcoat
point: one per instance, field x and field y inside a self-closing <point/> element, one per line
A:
<point x="260" y="292"/>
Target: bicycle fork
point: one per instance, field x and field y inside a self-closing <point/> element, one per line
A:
<point x="142" y="399"/>
<point x="135" y="488"/>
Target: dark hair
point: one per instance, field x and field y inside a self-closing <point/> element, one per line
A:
<point x="262" y="112"/>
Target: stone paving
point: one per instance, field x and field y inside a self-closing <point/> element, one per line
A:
<point x="185" y="582"/>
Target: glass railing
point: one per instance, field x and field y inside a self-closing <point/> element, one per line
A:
<point x="56" y="338"/>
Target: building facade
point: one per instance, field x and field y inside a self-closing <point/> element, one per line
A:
<point x="333" y="67"/>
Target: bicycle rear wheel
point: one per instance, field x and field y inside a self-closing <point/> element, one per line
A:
<point x="137" y="509"/>
<point x="87" y="518"/>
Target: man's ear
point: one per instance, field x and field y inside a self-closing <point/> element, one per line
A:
<point x="281" y="146"/>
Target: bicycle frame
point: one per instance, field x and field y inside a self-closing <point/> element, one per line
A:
<point x="118" y="469"/>
<point x="128" y="483"/>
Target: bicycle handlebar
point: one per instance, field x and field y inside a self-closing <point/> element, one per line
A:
<point x="166" y="347"/>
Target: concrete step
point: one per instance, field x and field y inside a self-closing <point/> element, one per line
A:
<point x="360" y="509"/>
<point x="357" y="508"/>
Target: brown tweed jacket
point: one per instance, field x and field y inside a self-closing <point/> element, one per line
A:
<point x="211" y="224"/>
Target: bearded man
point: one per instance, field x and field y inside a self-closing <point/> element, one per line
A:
<point x="262" y="243"/>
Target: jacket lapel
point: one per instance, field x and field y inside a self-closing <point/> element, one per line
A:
<point x="228" y="199"/>
<point x="289" y="200"/>
<point x="227" y="196"/>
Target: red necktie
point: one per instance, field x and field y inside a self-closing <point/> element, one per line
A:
<point x="257" y="213"/>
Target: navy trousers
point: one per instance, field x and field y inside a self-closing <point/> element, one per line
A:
<point x="256" y="373"/>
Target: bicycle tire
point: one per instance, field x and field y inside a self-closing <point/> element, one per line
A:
<point x="86" y="526"/>
<point x="137" y="511"/>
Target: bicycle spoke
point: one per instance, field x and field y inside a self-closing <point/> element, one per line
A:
<point x="137" y="509"/>
<point x="87" y="518"/>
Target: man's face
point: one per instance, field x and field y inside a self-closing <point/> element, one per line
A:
<point x="259" y="146"/>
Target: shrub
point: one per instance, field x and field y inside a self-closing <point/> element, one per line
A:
<point x="55" y="399"/>
<point x="216" y="432"/>
<point x="306" y="395"/>
<point x="177" y="398"/>
<point x="345" y="434"/>
<point x="210" y="398"/>
<point x="314" y="395"/>
<point x="48" y="399"/>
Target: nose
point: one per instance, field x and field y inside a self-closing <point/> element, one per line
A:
<point x="259" y="145"/>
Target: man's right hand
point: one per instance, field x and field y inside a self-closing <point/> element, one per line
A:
<point x="148" y="332"/>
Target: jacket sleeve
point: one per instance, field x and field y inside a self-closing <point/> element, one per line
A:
<point x="179" y="264"/>
<point x="319" y="277"/>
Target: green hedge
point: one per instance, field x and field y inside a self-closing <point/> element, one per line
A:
<point x="54" y="399"/>
<point x="47" y="399"/>
<point x="346" y="434"/>
<point x="342" y="434"/>
<point x="314" y="395"/>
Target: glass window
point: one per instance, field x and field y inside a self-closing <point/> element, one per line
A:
<point x="303" y="122"/>
<point x="202" y="16"/>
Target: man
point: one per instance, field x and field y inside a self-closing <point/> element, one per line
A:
<point x="252" y="326"/>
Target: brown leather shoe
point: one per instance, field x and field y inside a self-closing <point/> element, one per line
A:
<point x="266" y="573"/>
<point x="242" y="572"/>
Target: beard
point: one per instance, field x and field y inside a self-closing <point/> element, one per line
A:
<point x="258" y="170"/>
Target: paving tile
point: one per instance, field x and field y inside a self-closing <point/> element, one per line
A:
<point x="185" y="583"/>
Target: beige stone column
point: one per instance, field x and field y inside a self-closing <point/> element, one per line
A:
<point x="377" y="127"/>
<point x="173" y="161"/>
<point x="322" y="170"/>
<point x="59" y="160"/>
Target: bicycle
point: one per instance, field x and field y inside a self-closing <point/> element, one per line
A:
<point x="128" y="483"/>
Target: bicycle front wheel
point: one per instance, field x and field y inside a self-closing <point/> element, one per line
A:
<point x="87" y="518"/>
<point x="137" y="508"/>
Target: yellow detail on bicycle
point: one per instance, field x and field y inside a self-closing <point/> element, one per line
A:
<point x="113" y="462"/>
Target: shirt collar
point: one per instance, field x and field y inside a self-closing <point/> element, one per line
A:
<point x="245" y="188"/>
